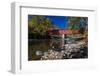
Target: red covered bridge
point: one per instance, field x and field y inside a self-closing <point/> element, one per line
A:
<point x="63" y="31"/>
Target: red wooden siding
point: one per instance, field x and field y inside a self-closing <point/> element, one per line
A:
<point x="59" y="32"/>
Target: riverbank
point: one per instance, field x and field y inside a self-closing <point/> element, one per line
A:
<point x="71" y="51"/>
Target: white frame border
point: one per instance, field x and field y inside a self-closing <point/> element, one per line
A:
<point x="16" y="30"/>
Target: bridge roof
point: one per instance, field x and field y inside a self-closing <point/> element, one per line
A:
<point x="63" y="31"/>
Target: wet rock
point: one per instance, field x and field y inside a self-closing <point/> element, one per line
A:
<point x="70" y="51"/>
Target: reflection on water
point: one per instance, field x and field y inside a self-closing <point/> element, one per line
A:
<point x="44" y="49"/>
<point x="41" y="46"/>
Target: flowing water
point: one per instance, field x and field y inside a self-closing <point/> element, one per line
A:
<point x="40" y="47"/>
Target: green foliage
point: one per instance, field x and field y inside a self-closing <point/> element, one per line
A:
<point x="39" y="25"/>
<point x="73" y="27"/>
<point x="77" y="23"/>
<point x="74" y="20"/>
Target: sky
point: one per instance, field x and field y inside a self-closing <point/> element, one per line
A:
<point x="59" y="21"/>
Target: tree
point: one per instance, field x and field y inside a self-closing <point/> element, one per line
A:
<point x="74" y="23"/>
<point x="39" y="25"/>
<point x="77" y="23"/>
